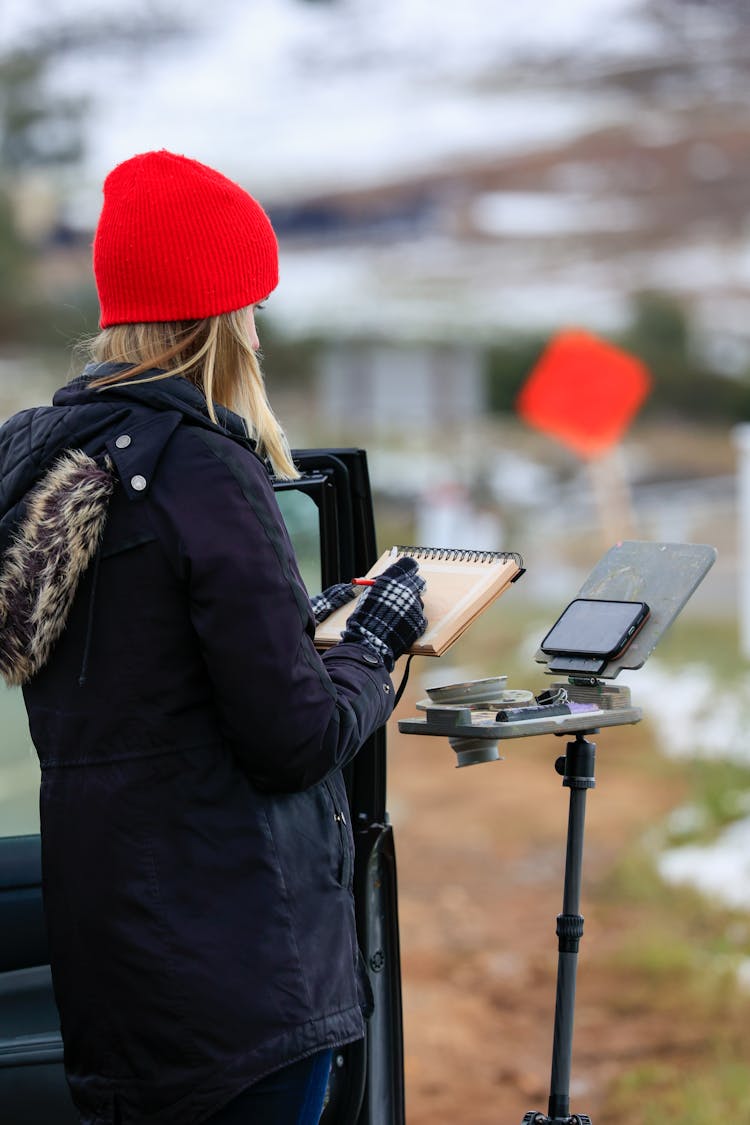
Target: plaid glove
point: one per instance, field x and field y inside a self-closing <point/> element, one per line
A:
<point x="389" y="616"/>
<point x="324" y="604"/>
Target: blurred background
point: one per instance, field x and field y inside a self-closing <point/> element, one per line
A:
<point x="453" y="185"/>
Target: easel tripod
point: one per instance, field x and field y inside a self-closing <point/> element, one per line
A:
<point x="664" y="575"/>
<point x="475" y="739"/>
<point x="577" y="769"/>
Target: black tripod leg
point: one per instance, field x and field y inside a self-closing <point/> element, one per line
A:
<point x="577" y="768"/>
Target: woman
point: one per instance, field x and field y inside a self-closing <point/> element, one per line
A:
<point x="196" y="847"/>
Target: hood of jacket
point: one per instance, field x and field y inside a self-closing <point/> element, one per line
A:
<point x="59" y="465"/>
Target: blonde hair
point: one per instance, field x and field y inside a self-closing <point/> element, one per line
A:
<point x="216" y="355"/>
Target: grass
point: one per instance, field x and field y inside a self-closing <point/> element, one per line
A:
<point x="693" y="640"/>
<point x="673" y="969"/>
<point x="715" y="1090"/>
<point x="719" y="795"/>
<point x="675" y="974"/>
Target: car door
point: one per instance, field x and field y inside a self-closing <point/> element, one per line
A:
<point x="329" y="514"/>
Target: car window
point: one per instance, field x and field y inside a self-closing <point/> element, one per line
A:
<point x="19" y="768"/>
<point x="302" y="519"/>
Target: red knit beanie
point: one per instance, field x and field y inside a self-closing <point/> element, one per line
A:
<point x="178" y="241"/>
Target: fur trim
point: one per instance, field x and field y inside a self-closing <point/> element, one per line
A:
<point x="57" y="538"/>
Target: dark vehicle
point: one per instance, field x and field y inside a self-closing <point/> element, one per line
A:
<point x="329" y="515"/>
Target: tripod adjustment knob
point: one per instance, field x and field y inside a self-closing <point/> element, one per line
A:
<point x="532" y="1117"/>
<point x="580" y="1119"/>
<point x="569" y="932"/>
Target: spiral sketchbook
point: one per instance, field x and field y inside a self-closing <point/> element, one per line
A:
<point x="460" y="585"/>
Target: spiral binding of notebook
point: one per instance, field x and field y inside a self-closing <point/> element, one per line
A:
<point x="457" y="554"/>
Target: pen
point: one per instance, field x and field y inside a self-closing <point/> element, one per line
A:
<point x="363" y="581"/>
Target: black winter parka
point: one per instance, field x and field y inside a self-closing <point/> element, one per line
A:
<point x="197" y="854"/>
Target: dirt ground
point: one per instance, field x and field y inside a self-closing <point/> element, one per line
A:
<point x="481" y="854"/>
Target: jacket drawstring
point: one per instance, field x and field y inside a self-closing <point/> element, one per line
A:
<point x="90" y="619"/>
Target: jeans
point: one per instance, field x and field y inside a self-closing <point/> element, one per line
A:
<point x="290" y="1096"/>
